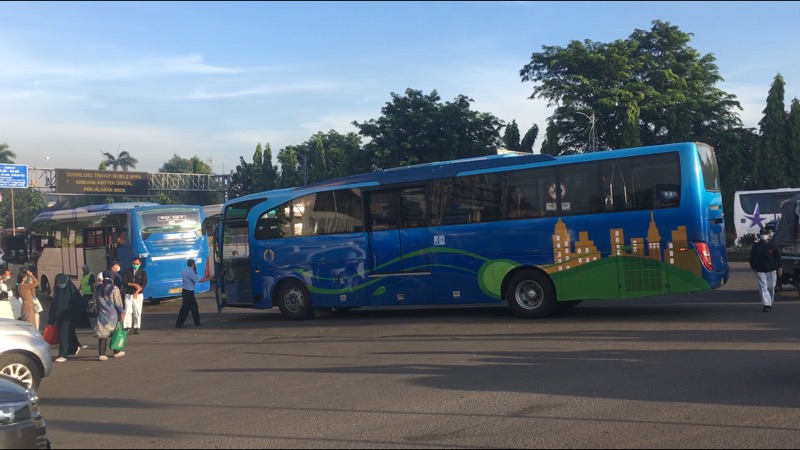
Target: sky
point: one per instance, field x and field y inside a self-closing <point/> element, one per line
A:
<point x="215" y="79"/>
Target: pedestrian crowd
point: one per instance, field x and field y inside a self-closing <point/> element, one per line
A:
<point x="113" y="301"/>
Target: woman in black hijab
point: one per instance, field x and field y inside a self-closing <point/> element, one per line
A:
<point x="67" y="312"/>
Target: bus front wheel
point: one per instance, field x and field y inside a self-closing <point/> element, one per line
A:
<point x="530" y="294"/>
<point x="294" y="301"/>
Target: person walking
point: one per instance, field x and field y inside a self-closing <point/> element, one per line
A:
<point x="6" y="309"/>
<point x="110" y="311"/>
<point x="765" y="261"/>
<point x="135" y="279"/>
<point x="189" y="280"/>
<point x="26" y="291"/>
<point x="67" y="312"/>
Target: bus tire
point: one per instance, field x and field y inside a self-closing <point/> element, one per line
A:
<point x="21" y="368"/>
<point x="531" y="295"/>
<point x="294" y="301"/>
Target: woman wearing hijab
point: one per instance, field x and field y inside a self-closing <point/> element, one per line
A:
<point x="67" y="312"/>
<point x="110" y="311"/>
<point x="26" y="291"/>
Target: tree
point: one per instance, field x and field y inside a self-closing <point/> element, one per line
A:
<point x="511" y="137"/>
<point x="28" y="203"/>
<point x="771" y="157"/>
<point x="793" y="145"/>
<point x="529" y="139"/>
<point x="6" y="155"/>
<point x="123" y="161"/>
<point x="258" y="176"/>
<point x="194" y="165"/>
<point x="651" y="88"/>
<point x="321" y="157"/>
<point x="416" y="128"/>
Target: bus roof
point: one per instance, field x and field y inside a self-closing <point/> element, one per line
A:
<point x="441" y="169"/>
<point x="91" y="210"/>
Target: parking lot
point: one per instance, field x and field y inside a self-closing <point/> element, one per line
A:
<point x="705" y="370"/>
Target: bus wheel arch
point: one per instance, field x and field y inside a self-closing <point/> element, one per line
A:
<point x="294" y="299"/>
<point x="530" y="293"/>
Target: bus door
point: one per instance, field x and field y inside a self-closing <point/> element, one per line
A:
<point x="400" y="271"/>
<point x="234" y="281"/>
<point x="95" y="250"/>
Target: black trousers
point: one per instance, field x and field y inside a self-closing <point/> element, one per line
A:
<point x="68" y="339"/>
<point x="189" y="305"/>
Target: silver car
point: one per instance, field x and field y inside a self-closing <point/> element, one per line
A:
<point x="24" y="355"/>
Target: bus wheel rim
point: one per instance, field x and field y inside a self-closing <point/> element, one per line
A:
<point x="295" y="301"/>
<point x="529" y="295"/>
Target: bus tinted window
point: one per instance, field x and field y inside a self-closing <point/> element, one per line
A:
<point x="413" y="210"/>
<point x="647" y="182"/>
<point x="470" y="199"/>
<point x="580" y="184"/>
<point x="525" y="193"/>
<point x="327" y="212"/>
<point x="708" y="162"/>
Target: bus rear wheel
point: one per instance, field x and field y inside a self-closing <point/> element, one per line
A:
<point x="530" y="294"/>
<point x="294" y="301"/>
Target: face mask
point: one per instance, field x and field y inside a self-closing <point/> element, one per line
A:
<point x="764" y="237"/>
<point x="135" y="267"/>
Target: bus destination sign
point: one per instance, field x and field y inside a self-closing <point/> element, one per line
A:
<point x="101" y="182"/>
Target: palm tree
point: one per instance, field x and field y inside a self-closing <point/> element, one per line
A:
<point x="123" y="161"/>
<point x="6" y="155"/>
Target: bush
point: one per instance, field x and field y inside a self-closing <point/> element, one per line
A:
<point x="747" y="240"/>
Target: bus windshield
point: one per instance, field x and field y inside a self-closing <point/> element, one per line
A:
<point x="169" y="221"/>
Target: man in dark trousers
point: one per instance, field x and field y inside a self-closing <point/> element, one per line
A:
<point x="765" y="260"/>
<point x="189" y="280"/>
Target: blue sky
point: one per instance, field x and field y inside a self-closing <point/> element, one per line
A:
<point x="215" y="79"/>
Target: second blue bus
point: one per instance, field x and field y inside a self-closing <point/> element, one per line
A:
<point x="537" y="232"/>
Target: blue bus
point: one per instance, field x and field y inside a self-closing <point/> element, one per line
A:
<point x="538" y="232"/>
<point x="162" y="236"/>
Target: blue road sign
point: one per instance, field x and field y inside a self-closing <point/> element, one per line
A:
<point x="13" y="176"/>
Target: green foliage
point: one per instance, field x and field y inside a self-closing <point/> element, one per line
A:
<point x="416" y="128"/>
<point x="529" y="139"/>
<point x="747" y="240"/>
<point x="28" y="203"/>
<point x="258" y="176"/>
<point x="792" y="163"/>
<point x="183" y="165"/>
<point x="651" y="88"/>
<point x="511" y="137"/>
<point x="6" y="155"/>
<point x="123" y="161"/>
<point x="771" y="157"/>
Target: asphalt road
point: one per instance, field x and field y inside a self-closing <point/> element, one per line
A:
<point x="707" y="370"/>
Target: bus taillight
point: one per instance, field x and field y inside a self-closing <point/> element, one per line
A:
<point x="705" y="255"/>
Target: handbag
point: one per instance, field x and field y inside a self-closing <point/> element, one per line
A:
<point x="91" y="307"/>
<point x="37" y="305"/>
<point x="50" y="334"/>
<point x="118" y="337"/>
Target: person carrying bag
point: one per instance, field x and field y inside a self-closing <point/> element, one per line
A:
<point x="110" y="313"/>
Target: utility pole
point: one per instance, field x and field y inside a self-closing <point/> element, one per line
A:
<point x="592" y="147"/>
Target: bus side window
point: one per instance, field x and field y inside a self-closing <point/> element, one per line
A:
<point x="268" y="226"/>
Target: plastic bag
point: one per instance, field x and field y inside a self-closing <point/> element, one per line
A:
<point x="118" y="338"/>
